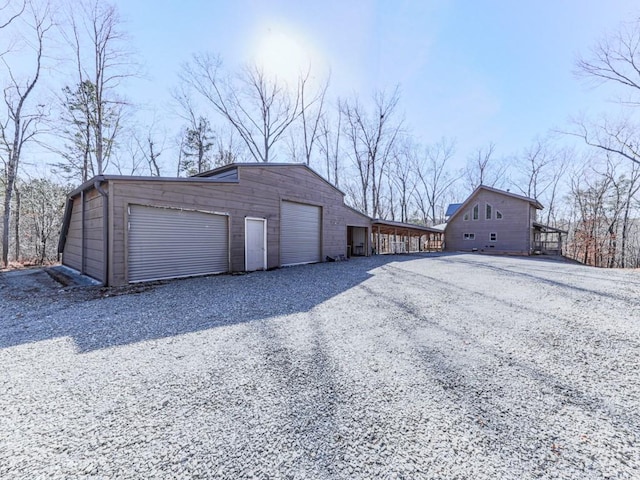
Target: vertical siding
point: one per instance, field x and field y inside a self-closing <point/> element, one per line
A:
<point x="72" y="254"/>
<point x="93" y="235"/>
<point x="87" y="242"/>
<point x="513" y="230"/>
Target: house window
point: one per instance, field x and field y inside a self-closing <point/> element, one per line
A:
<point x="493" y="236"/>
<point x="469" y="236"/>
<point x="498" y="215"/>
<point x="466" y="216"/>
<point x="476" y="211"/>
<point x="488" y="212"/>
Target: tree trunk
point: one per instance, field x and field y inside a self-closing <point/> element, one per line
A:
<point x="8" y="191"/>
<point x="86" y="153"/>
<point x="5" y="227"/>
<point x="17" y="224"/>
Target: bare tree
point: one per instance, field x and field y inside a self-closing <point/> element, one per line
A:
<point x="197" y="138"/>
<point x="329" y="145"/>
<point x="372" y="138"/>
<point x="402" y="177"/>
<point x="311" y="113"/>
<point x="603" y="199"/>
<point x="259" y="107"/>
<point x="483" y="169"/>
<point x="150" y="150"/>
<point x="615" y="60"/>
<point x="10" y="15"/>
<point x="21" y="122"/>
<point x="540" y="169"/>
<point x="94" y="110"/>
<point x="588" y="194"/>
<point x="563" y="159"/>
<point x="226" y="146"/>
<point x="632" y="189"/>
<point x="619" y="137"/>
<point x="434" y="179"/>
<point x="43" y="203"/>
<point x="141" y="151"/>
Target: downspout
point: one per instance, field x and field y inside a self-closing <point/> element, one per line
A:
<point x="529" y="246"/>
<point x="83" y="249"/>
<point x="105" y="230"/>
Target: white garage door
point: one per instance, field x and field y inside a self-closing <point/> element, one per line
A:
<point x="300" y="233"/>
<point x="172" y="243"/>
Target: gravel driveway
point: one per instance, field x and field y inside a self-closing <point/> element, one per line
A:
<point x="441" y="366"/>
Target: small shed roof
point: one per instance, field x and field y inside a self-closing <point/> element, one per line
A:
<point x="547" y="228"/>
<point x="452" y="208"/>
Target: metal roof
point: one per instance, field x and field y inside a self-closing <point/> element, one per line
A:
<point x="406" y="226"/>
<point x="452" y="208"/>
<point x="548" y="228"/>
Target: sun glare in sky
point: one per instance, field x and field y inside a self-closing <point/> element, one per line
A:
<point x="286" y="54"/>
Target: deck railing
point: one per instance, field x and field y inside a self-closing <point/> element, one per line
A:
<point x="549" y="247"/>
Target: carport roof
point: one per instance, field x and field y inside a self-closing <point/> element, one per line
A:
<point x="388" y="226"/>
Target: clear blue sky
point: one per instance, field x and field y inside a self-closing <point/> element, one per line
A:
<point x="476" y="70"/>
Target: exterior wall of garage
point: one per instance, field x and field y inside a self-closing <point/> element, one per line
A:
<point x="258" y="192"/>
<point x="84" y="246"/>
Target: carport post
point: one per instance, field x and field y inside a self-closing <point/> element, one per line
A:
<point x="395" y="239"/>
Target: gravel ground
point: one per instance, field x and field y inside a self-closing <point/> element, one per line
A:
<point x="441" y="366"/>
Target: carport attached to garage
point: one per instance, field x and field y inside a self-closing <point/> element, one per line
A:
<point x="171" y="243"/>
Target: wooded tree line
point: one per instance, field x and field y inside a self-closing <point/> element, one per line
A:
<point x="361" y="144"/>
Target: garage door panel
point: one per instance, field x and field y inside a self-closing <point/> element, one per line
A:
<point x="300" y="233"/>
<point x="170" y="243"/>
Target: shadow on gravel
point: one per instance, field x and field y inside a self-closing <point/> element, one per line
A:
<point x="102" y="318"/>
<point x="540" y="279"/>
<point x="469" y="391"/>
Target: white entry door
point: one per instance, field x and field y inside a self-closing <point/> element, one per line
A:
<point x="255" y="244"/>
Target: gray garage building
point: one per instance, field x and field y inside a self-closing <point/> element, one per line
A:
<point x="241" y="217"/>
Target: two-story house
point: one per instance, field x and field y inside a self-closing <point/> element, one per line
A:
<point x="493" y="220"/>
